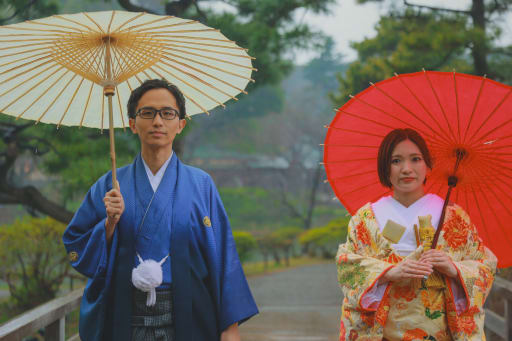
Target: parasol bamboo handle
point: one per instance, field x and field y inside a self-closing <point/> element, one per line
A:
<point x="112" y="142"/>
<point x="460" y="154"/>
<point x="109" y="91"/>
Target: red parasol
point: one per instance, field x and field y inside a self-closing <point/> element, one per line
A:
<point x="458" y="115"/>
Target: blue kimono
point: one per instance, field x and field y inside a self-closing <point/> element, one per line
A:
<point x="210" y="291"/>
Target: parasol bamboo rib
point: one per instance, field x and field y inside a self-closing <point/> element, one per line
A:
<point x="86" y="105"/>
<point x="440" y="106"/>
<point x="163" y="26"/>
<point x="496" y="169"/>
<point x="94" y="22"/>
<point x="36" y="85"/>
<point x="119" y="58"/>
<point x="193" y="87"/>
<point x="73" y="54"/>
<point x="348" y="145"/>
<point x="110" y="23"/>
<point x="121" y="113"/>
<point x="410" y="112"/>
<point x="102" y="113"/>
<point x="423" y="106"/>
<point x="351" y="160"/>
<point x="502" y="164"/>
<point x="27" y="80"/>
<point x="167" y="41"/>
<point x="146" y="23"/>
<point x="170" y="33"/>
<point x="140" y="80"/>
<point x="493" y="112"/>
<point x="382" y="111"/>
<point x="203" y="73"/>
<point x="129" y="86"/>
<point x="482" y="218"/>
<point x="363" y="187"/>
<point x="137" y="58"/>
<point x="352" y="175"/>
<point x="208" y="84"/>
<point x="26" y="64"/>
<point x="70" y="101"/>
<point x="26" y="92"/>
<point x="218" y="60"/>
<point x="357" y="132"/>
<point x="33" y="87"/>
<point x="209" y="66"/>
<point x="22" y="52"/>
<point x="49" y="40"/>
<point x="477" y="100"/>
<point x="55" y="99"/>
<point x="89" y="29"/>
<point x="71" y="28"/>
<point x="490" y="189"/>
<point x="35" y="31"/>
<point x="127" y="22"/>
<point x="24" y="45"/>
<point x="362" y="118"/>
<point x="457" y="192"/>
<point x="457" y="106"/>
<point x="172" y="38"/>
<point x="175" y="48"/>
<point x="93" y="55"/>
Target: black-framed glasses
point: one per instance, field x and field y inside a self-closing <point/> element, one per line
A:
<point x="149" y="113"/>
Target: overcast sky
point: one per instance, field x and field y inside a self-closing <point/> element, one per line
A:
<point x="351" y="22"/>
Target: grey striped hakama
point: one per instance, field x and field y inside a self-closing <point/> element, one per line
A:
<point x="152" y="323"/>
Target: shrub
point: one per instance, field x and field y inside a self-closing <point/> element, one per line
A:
<point x="325" y="239"/>
<point x="33" y="260"/>
<point x="245" y="244"/>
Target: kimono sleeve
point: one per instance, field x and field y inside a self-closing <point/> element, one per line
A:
<point x="236" y="301"/>
<point x="358" y="267"/>
<point x="476" y="266"/>
<point x="85" y="238"/>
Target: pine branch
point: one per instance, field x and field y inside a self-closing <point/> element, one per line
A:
<point x="127" y="5"/>
<point x="407" y="3"/>
<point x="18" y="11"/>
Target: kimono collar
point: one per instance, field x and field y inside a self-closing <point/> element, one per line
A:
<point x="155" y="179"/>
<point x="388" y="208"/>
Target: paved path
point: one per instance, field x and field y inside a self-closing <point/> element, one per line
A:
<point x="301" y="304"/>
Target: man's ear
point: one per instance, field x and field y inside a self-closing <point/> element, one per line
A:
<point x="131" y="121"/>
<point x="182" y="124"/>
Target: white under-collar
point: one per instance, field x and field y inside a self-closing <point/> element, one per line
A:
<point x="388" y="208"/>
<point x="155" y="179"/>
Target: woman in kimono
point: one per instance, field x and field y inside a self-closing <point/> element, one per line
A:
<point x="385" y="278"/>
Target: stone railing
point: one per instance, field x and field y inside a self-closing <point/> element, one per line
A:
<point x="500" y="325"/>
<point x="51" y="316"/>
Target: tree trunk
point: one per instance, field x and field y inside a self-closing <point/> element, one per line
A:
<point x="479" y="51"/>
<point x="312" y="197"/>
<point x="276" y="256"/>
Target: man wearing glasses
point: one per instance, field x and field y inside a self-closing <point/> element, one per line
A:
<point x="160" y="257"/>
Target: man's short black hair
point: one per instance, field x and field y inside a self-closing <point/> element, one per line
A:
<point x="151" y="84"/>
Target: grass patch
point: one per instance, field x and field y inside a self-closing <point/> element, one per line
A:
<point x="258" y="268"/>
